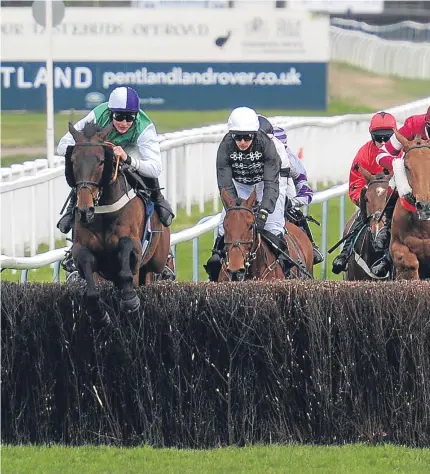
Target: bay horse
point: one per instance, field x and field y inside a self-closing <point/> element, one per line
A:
<point x="373" y="198"/>
<point x="248" y="256"/>
<point x="110" y="222"/>
<point x="410" y="228"/>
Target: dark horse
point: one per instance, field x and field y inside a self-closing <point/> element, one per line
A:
<point x="410" y="229"/>
<point x="110" y="221"/>
<point x="373" y="199"/>
<point x="248" y="256"/>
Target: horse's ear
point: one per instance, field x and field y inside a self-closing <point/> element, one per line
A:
<point x="404" y="141"/>
<point x="105" y="132"/>
<point x="250" y="202"/>
<point x="368" y="176"/>
<point x="77" y="136"/>
<point x="226" y="199"/>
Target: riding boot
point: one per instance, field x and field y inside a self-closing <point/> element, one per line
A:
<point x="213" y="265"/>
<point x="382" y="266"/>
<point x="67" y="221"/>
<point x="162" y="207"/>
<point x="304" y="225"/>
<point x="341" y="261"/>
<point x="382" y="239"/>
<point x="285" y="262"/>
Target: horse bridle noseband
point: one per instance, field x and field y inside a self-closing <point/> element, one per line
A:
<point x="249" y="256"/>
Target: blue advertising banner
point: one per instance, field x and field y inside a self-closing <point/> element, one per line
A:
<point x="167" y="85"/>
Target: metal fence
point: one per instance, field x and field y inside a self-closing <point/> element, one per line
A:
<point x="207" y="224"/>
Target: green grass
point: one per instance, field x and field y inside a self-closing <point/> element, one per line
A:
<point x="184" y="250"/>
<point x="34" y="124"/>
<point x="348" y="459"/>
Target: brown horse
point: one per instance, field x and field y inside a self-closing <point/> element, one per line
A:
<point x="248" y="256"/>
<point x="110" y="221"/>
<point x="373" y="199"/>
<point x="410" y="229"/>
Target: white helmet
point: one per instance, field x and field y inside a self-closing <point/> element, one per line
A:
<point x="243" y="119"/>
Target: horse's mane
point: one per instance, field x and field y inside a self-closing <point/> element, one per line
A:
<point x="90" y="129"/>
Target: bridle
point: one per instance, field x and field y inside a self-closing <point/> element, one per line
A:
<point x="79" y="185"/>
<point x="377" y="215"/>
<point x="250" y="255"/>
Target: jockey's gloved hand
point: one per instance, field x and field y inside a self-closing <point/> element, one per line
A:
<point x="261" y="219"/>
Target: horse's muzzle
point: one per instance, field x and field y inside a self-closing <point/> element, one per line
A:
<point x="423" y="210"/>
<point x="86" y="215"/>
<point x="238" y="275"/>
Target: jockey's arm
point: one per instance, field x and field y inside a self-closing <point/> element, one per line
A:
<point x="224" y="170"/>
<point x="356" y="182"/>
<point x="304" y="193"/>
<point x="68" y="140"/>
<point x="146" y="157"/>
<point x="272" y="169"/>
<point x="393" y="147"/>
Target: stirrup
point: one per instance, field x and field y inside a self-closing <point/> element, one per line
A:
<point x="318" y="256"/>
<point x="67" y="263"/>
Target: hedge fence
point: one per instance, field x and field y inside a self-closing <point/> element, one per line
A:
<point x="210" y="364"/>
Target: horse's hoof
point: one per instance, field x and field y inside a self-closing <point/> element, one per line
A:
<point x="130" y="305"/>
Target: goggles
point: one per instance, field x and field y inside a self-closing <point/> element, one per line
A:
<point x="247" y="137"/>
<point x="121" y="116"/>
<point x="382" y="138"/>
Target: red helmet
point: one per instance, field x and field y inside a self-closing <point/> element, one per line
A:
<point x="382" y="121"/>
<point x="428" y="116"/>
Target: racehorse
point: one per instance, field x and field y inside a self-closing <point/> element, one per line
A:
<point x="249" y="256"/>
<point x="373" y="199"/>
<point x="410" y="229"/>
<point x="110" y="221"/>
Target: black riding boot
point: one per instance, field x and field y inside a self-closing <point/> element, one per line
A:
<point x="341" y="261"/>
<point x="382" y="240"/>
<point x="213" y="265"/>
<point x="162" y="207"/>
<point x="382" y="266"/>
<point x="285" y="262"/>
<point x="304" y="225"/>
<point x="67" y="221"/>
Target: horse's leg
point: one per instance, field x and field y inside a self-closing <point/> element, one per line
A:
<point x="128" y="259"/>
<point x="405" y="262"/>
<point x="87" y="265"/>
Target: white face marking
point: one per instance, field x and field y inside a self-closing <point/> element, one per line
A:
<point x="380" y="191"/>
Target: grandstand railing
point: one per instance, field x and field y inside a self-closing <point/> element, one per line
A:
<point x="32" y="195"/>
<point x="402" y="31"/>
<point x="396" y="58"/>
<point x="194" y="233"/>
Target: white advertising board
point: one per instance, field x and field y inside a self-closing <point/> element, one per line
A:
<point x="160" y="35"/>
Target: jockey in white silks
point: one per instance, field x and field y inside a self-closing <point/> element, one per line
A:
<point x="249" y="158"/>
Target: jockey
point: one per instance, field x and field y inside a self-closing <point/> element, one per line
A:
<point x="414" y="125"/>
<point x="300" y="194"/>
<point x="382" y="126"/>
<point x="136" y="143"/>
<point x="247" y="158"/>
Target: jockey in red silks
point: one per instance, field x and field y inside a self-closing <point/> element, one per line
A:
<point x="414" y="125"/>
<point x="382" y="126"/>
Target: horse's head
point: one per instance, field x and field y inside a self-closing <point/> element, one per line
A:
<point x="89" y="166"/>
<point x="373" y="199"/>
<point x="417" y="168"/>
<point x="240" y="234"/>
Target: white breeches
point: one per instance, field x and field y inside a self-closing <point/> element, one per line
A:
<point x="275" y="221"/>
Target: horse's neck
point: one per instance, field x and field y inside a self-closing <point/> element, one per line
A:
<point x="114" y="190"/>
<point x="263" y="259"/>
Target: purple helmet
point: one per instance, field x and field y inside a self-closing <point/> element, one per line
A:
<point x="124" y="99"/>
<point x="280" y="134"/>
